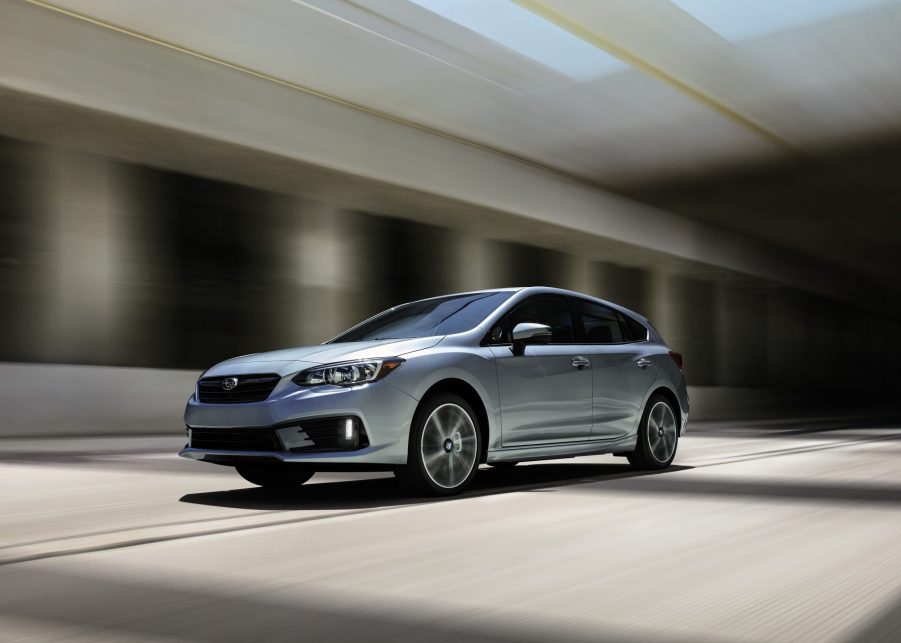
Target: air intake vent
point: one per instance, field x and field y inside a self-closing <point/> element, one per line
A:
<point x="236" y="389"/>
<point x="333" y="434"/>
<point x="235" y="440"/>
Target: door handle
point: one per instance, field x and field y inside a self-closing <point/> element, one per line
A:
<point x="580" y="362"/>
<point x="643" y="363"/>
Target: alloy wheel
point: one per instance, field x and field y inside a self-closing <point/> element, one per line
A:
<point x="661" y="432"/>
<point x="449" y="446"/>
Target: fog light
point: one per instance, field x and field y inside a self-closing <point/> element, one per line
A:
<point x="348" y="434"/>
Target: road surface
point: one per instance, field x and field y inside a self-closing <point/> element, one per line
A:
<point x="775" y="531"/>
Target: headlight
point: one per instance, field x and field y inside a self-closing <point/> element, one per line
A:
<point x="348" y="373"/>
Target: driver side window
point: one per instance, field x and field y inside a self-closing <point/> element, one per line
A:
<point x="551" y="310"/>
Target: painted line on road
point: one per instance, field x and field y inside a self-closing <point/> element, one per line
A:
<point x="107" y="532"/>
<point x="196" y="534"/>
<point x="762" y="455"/>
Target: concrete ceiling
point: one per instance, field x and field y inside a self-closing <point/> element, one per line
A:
<point x="680" y="98"/>
<point x="781" y="123"/>
<point x="842" y="206"/>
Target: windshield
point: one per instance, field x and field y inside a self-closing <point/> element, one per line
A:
<point x="428" y="318"/>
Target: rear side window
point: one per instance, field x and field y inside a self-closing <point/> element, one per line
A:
<point x="551" y="310"/>
<point x="600" y="324"/>
<point x="636" y="330"/>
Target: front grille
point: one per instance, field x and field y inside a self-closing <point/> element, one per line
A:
<point x="235" y="439"/>
<point x="250" y="388"/>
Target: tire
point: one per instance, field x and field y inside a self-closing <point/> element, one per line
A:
<point x="658" y="436"/>
<point x="274" y="476"/>
<point x="445" y="447"/>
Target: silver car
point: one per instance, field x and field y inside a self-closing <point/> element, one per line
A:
<point x="434" y="388"/>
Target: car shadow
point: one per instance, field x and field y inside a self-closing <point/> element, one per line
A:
<point x="387" y="491"/>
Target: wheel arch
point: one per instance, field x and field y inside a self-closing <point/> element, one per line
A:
<point x="465" y="390"/>
<point x="672" y="397"/>
<point x="669" y="394"/>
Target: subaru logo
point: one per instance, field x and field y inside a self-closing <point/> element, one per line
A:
<point x="229" y="383"/>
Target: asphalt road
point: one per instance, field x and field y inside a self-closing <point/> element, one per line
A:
<point x="783" y="531"/>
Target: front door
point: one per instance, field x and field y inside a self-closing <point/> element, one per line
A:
<point x="546" y="392"/>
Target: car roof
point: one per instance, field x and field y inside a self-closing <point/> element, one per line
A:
<point x="536" y="290"/>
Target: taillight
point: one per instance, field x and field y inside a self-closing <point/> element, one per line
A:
<point x="677" y="357"/>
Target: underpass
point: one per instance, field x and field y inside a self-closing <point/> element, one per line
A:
<point x="186" y="181"/>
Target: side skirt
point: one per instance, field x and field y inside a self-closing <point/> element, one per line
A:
<point x="563" y="450"/>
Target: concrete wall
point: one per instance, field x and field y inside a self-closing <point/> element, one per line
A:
<point x="118" y="264"/>
<point x="62" y="399"/>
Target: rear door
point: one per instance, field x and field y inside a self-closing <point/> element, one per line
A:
<point x="545" y="393"/>
<point x="621" y="374"/>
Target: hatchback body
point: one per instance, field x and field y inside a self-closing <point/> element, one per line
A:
<point x="434" y="388"/>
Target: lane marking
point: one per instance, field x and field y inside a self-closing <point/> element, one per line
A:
<point x="159" y="539"/>
<point x="107" y="532"/>
<point x="762" y="455"/>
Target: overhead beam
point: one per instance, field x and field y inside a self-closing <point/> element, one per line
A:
<point x="658" y="38"/>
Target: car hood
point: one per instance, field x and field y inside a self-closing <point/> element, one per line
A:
<point x="291" y="360"/>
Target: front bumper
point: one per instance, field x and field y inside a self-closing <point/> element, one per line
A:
<point x="384" y="410"/>
<point x="362" y="460"/>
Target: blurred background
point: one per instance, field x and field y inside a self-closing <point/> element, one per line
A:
<point x="184" y="182"/>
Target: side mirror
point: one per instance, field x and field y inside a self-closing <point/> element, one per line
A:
<point x="525" y="333"/>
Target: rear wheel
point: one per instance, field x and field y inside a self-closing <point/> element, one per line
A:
<point x="274" y="476"/>
<point x="658" y="436"/>
<point x="445" y="444"/>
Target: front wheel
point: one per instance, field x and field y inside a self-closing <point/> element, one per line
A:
<point x="274" y="476"/>
<point x="658" y="436"/>
<point x="445" y="444"/>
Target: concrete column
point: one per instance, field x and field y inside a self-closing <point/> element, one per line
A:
<point x="316" y="286"/>
<point x="475" y="266"/>
<point x="875" y="345"/>
<point x="740" y="333"/>
<point x="324" y="258"/>
<point x="579" y="275"/>
<point x="627" y="286"/>
<point x="894" y="350"/>
<point x="86" y="262"/>
<point x="658" y="309"/>
<point x="786" y="339"/>
<point x="681" y="309"/>
<point x="24" y="248"/>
